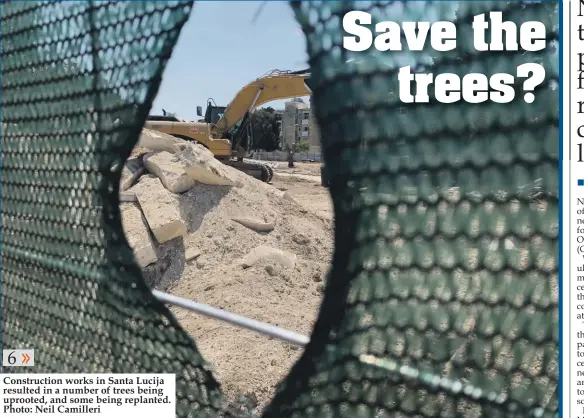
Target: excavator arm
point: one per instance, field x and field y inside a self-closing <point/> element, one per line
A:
<point x="219" y="136"/>
<point x="276" y="85"/>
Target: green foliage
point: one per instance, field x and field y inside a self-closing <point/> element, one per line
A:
<point x="266" y="129"/>
<point x="302" y="146"/>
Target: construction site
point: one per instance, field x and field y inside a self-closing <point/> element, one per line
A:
<point x="409" y="270"/>
<point x="208" y="232"/>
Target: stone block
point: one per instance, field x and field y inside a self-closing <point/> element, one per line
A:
<point x="161" y="209"/>
<point x="137" y="234"/>
<point x="169" y="170"/>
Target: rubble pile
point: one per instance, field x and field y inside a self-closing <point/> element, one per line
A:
<point x="205" y="231"/>
<point x="169" y="175"/>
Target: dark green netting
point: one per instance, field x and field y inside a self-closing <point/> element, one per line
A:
<point x="78" y="79"/>
<point x="443" y="295"/>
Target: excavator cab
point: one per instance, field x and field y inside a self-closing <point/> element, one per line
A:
<point x="212" y="114"/>
<point x="239" y="135"/>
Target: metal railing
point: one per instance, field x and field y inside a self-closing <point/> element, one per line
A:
<point x="234" y="319"/>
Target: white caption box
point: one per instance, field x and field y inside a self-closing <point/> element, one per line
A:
<point x="18" y="358"/>
<point x="87" y="395"/>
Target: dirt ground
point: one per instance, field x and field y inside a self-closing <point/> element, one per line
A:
<point x="303" y="183"/>
<point x="254" y="249"/>
<point x="311" y="169"/>
<point x="247" y="363"/>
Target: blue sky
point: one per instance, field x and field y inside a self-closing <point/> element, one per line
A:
<point x="221" y="49"/>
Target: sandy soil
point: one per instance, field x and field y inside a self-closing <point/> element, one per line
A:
<point x="303" y="183"/>
<point x="246" y="362"/>
<point x="284" y="290"/>
<point x="311" y="169"/>
<point x="307" y="192"/>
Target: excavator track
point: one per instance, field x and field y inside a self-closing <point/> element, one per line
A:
<point x="271" y="172"/>
<point x="257" y="170"/>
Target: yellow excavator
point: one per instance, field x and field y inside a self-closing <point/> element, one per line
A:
<point x="226" y="130"/>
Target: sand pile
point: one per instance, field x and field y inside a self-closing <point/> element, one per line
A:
<point x="236" y="244"/>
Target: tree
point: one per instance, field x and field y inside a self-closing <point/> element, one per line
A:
<point x="266" y="129"/>
<point x="303" y="146"/>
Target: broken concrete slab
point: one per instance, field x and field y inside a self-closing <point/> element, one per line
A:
<point x="255" y="224"/>
<point x="263" y="252"/>
<point x="202" y="166"/>
<point x="157" y="141"/>
<point x="137" y="234"/>
<point x="160" y="209"/>
<point x="169" y="170"/>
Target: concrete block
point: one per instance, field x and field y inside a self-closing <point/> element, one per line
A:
<point x="160" y="209"/>
<point x="137" y="234"/>
<point x="200" y="165"/>
<point x="157" y="141"/>
<point x="169" y="170"/>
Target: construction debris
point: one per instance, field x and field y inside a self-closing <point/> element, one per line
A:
<point x="254" y="224"/>
<point x="169" y="170"/>
<point x="160" y="209"/>
<point x="208" y="232"/>
<point x="138" y="235"/>
<point x="156" y="141"/>
<point x="202" y="166"/>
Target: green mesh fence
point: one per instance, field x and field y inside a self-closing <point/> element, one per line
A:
<point x="442" y="299"/>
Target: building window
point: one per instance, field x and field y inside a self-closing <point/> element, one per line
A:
<point x="306" y="116"/>
<point x="306" y="129"/>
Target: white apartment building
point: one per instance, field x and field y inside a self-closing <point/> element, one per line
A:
<point x="298" y="124"/>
